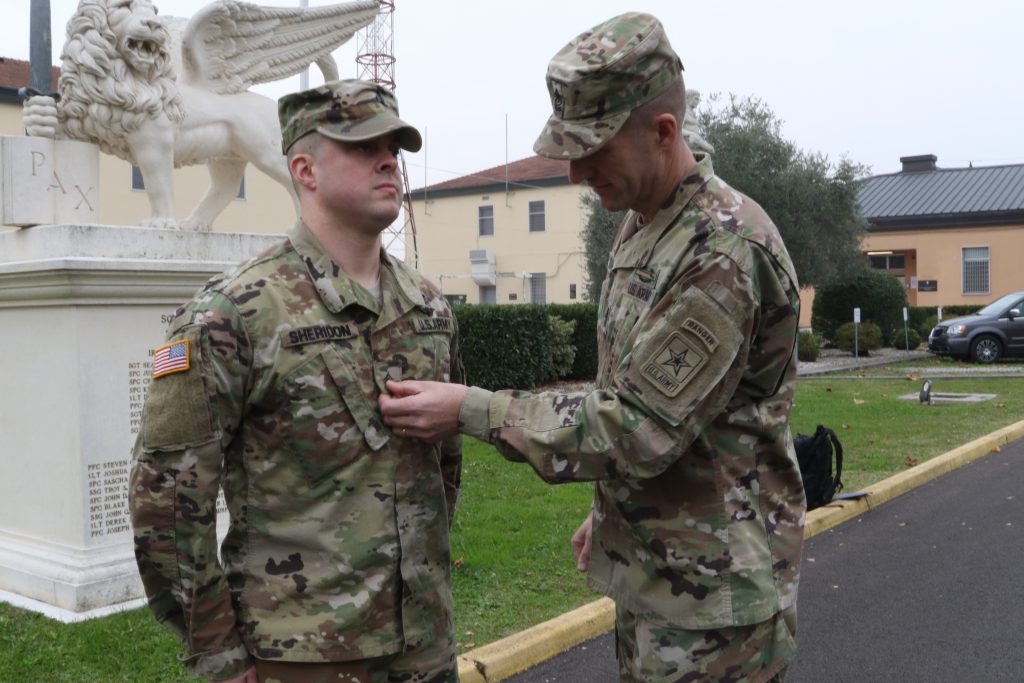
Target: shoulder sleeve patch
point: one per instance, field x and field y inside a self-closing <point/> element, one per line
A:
<point x="679" y="362"/>
<point x="171" y="358"/>
<point x="672" y="366"/>
<point x="177" y="412"/>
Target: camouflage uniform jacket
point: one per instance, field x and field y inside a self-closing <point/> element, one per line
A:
<point x="699" y="507"/>
<point x="338" y="546"/>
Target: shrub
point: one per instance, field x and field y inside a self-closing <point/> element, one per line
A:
<point x="914" y="339"/>
<point x="869" y="338"/>
<point x="584" y="338"/>
<point x="505" y="347"/>
<point x="563" y="353"/>
<point x="879" y="295"/>
<point x="808" y="347"/>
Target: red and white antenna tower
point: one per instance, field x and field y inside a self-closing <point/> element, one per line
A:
<point x="376" y="62"/>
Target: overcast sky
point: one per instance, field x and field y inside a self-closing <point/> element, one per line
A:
<point x="871" y="80"/>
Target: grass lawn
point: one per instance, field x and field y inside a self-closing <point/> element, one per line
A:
<point x="513" y="565"/>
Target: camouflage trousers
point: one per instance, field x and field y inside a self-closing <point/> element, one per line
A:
<point x="424" y="666"/>
<point x="650" y="649"/>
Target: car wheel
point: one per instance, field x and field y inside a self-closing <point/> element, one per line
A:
<point x="986" y="350"/>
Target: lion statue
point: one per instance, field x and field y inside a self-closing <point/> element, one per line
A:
<point x="162" y="92"/>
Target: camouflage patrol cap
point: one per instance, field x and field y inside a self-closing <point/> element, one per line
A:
<point x="599" y="78"/>
<point x="350" y="110"/>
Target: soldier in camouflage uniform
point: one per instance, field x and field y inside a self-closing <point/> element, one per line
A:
<point x="697" y="523"/>
<point x="336" y="561"/>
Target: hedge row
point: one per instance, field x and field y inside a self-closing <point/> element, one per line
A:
<point x="510" y="346"/>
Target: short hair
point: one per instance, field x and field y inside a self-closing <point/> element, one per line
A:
<point x="307" y="144"/>
<point x="671" y="101"/>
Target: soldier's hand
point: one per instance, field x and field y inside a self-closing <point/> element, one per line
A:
<point x="423" y="410"/>
<point x="581" y="543"/>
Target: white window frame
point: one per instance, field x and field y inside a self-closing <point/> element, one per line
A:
<point x="537" y="221"/>
<point x="964" y="261"/>
<point x="485" y="220"/>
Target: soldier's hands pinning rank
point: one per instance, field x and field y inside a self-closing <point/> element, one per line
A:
<point x="423" y="410"/>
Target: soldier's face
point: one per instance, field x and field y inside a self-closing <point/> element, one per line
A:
<point x="618" y="172"/>
<point x="359" y="182"/>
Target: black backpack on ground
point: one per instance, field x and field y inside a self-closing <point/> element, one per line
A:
<point x="814" y="454"/>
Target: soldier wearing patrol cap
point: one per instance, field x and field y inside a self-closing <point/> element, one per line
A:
<point x="336" y="563"/>
<point x="697" y="523"/>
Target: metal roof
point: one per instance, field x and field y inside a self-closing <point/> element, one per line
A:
<point x="944" y="197"/>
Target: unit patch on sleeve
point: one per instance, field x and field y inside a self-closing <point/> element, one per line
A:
<point x="317" y="333"/>
<point x="675" y="363"/>
<point x="702" y="332"/>
<point x="171" y="358"/>
<point x="428" y="325"/>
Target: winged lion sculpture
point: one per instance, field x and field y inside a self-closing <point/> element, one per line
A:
<point x="162" y="92"/>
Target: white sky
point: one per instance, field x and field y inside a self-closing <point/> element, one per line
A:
<point x="872" y="80"/>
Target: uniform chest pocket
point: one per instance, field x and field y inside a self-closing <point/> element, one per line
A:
<point x="630" y="294"/>
<point x="327" y="419"/>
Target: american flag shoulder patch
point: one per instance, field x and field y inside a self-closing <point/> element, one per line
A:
<point x="171" y="358"/>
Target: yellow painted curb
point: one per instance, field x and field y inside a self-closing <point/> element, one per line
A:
<point x="509" y="656"/>
<point x="520" y="651"/>
<point x="839" y="511"/>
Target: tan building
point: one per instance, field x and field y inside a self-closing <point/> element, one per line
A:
<point x="263" y="206"/>
<point x="951" y="235"/>
<point x="510" y="234"/>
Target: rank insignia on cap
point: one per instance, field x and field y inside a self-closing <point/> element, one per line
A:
<point x="173" y="357"/>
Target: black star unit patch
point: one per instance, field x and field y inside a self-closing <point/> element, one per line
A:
<point x="675" y="363"/>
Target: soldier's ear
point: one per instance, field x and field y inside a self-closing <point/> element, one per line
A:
<point x="666" y="129"/>
<point x="300" y="165"/>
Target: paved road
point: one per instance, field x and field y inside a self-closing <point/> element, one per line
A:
<point x="928" y="588"/>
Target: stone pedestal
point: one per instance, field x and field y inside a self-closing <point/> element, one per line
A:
<point x="81" y="308"/>
<point x="44" y="181"/>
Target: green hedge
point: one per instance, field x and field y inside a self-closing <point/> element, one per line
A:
<point x="868" y="338"/>
<point x="511" y="346"/>
<point x="505" y="347"/>
<point x="584" y="337"/>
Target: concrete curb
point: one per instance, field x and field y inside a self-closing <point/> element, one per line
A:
<point x="509" y="656"/>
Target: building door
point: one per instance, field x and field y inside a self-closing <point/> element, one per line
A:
<point x="489" y="295"/>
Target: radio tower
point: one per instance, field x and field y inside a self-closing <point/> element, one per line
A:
<point x="376" y="62"/>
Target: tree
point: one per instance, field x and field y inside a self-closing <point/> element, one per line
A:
<point x="811" y="200"/>
<point x="598" y="235"/>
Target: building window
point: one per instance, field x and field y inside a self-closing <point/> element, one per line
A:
<point x="488" y="295"/>
<point x="537" y="216"/>
<point x="139" y="183"/>
<point x="888" y="261"/>
<point x="975" y="270"/>
<point x="485" y="219"/>
<point x="572" y="291"/>
<point x="512" y="296"/>
<point x="538" y="288"/>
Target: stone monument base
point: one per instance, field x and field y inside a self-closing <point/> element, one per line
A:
<point x="81" y="308"/>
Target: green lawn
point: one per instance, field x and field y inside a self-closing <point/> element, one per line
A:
<point x="513" y="565"/>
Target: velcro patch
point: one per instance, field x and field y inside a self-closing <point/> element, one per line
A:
<point x="317" y="333"/>
<point x="702" y="333"/>
<point x="675" y="363"/>
<point x="430" y="325"/>
<point x="171" y="358"/>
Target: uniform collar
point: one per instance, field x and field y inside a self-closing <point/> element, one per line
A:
<point x="338" y="291"/>
<point x="636" y="251"/>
